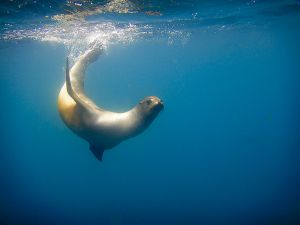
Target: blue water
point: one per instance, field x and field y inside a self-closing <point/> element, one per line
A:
<point x="225" y="150"/>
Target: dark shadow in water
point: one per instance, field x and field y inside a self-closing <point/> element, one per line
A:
<point x="283" y="10"/>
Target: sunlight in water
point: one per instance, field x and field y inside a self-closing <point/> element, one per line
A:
<point x="79" y="36"/>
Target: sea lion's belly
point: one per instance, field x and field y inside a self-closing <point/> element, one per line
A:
<point x="67" y="109"/>
<point x="107" y="129"/>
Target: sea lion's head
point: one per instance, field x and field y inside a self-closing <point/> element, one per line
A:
<point x="151" y="106"/>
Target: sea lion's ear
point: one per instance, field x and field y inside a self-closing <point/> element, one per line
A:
<point x="97" y="151"/>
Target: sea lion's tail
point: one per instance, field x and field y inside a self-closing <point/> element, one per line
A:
<point x="70" y="89"/>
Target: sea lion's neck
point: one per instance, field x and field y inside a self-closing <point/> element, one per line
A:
<point x="136" y="120"/>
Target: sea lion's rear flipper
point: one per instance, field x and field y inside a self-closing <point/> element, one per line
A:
<point x="97" y="151"/>
<point x="71" y="91"/>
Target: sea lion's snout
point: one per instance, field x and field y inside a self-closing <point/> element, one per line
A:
<point x="160" y="104"/>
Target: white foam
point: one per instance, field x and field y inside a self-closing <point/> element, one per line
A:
<point x="80" y="35"/>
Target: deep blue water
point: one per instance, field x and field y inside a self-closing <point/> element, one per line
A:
<point x="225" y="150"/>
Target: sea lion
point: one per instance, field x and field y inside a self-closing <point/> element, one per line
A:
<point x="103" y="129"/>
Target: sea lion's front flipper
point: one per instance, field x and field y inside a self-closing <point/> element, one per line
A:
<point x="97" y="151"/>
<point x="71" y="91"/>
